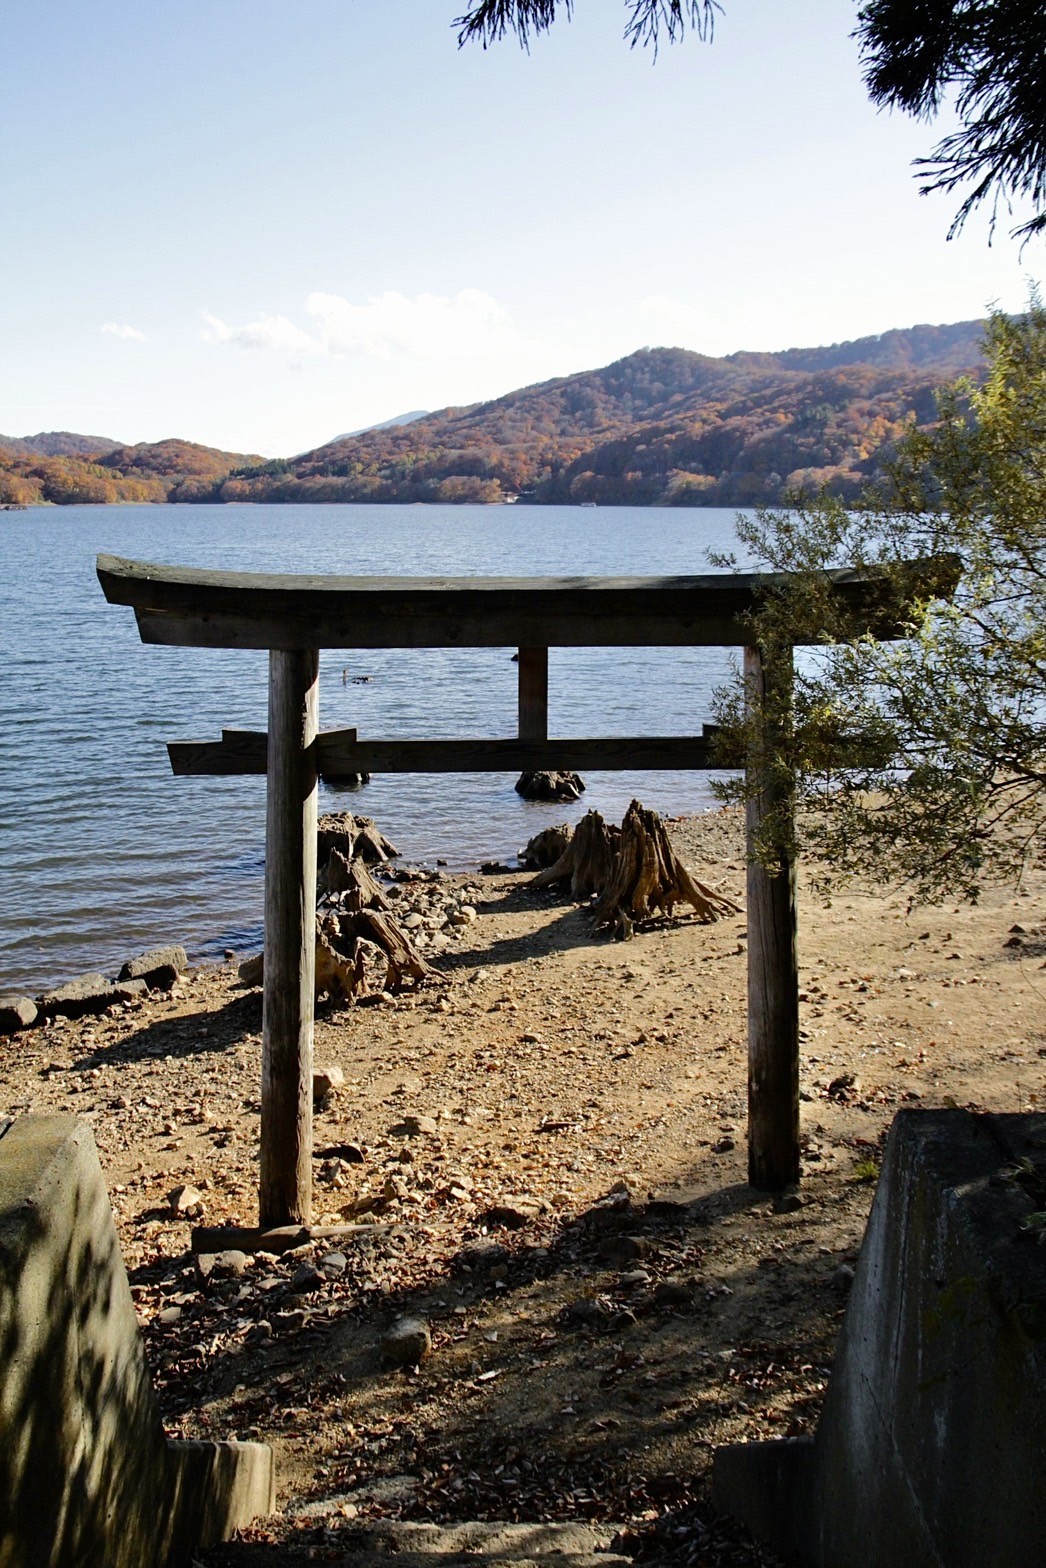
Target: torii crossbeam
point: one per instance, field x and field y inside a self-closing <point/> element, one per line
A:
<point x="295" y="616"/>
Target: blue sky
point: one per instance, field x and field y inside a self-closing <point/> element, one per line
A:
<point x="257" y="225"/>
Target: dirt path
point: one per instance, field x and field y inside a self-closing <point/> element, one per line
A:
<point x="553" y="1149"/>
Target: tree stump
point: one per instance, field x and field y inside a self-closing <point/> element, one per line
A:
<point x="358" y="838"/>
<point x="358" y="952"/>
<point x="562" y="786"/>
<point x="648" y="878"/>
<point x="360" y="946"/>
<point x="352" y="878"/>
<point x="346" y="780"/>
<point x="546" y="847"/>
<point x="587" y="861"/>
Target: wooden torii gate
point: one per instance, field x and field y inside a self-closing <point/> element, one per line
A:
<point x="293" y="617"/>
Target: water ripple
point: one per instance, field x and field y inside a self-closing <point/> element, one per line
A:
<point x="102" y="851"/>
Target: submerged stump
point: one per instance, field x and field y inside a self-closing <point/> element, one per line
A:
<point x="550" y="786"/>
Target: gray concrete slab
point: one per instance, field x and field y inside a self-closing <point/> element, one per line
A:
<point x="930" y="1449"/>
<point x="86" y="1474"/>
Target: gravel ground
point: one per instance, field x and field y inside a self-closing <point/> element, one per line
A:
<point x="546" y="1158"/>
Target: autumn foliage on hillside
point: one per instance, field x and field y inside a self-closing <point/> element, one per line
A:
<point x="660" y="427"/>
<point x="57" y="470"/>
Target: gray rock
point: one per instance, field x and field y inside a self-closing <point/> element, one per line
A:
<point x="324" y="1079"/>
<point x="251" y="971"/>
<point x="622" y="1249"/>
<point x="407" y="1342"/>
<point x="414" y="1127"/>
<point x="221" y="1265"/>
<point x="622" y="1321"/>
<point x="290" y="1322"/>
<point x="203" y="1262"/>
<point x="586" y="1313"/>
<point x="159" y="967"/>
<point x="91" y="993"/>
<point x="787" y="1203"/>
<point x="673" y="1292"/>
<point x="512" y="1213"/>
<point x="307" y="1279"/>
<point x="334" y="1265"/>
<point x="185" y="1200"/>
<point x="16" y="1012"/>
<point x="846" y="1087"/>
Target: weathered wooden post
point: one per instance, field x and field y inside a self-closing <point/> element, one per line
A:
<point x="285" y="1186"/>
<point x="773" y="963"/>
<point x="533" y="694"/>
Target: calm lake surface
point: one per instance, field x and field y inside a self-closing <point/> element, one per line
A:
<point x="103" y="851"/>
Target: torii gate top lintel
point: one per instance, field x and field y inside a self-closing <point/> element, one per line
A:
<point x="198" y="607"/>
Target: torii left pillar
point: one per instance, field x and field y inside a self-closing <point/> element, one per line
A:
<point x="285" y="1186"/>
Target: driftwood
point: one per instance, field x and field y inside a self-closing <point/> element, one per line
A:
<point x="360" y="946"/>
<point x="279" y="1238"/>
<point x="648" y="878"/>
<point x="359" y="936"/>
<point x="359" y="950"/>
<point x="587" y="860"/>
<point x="546" y="847"/>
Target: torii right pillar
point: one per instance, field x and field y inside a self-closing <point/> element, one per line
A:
<point x="773" y="961"/>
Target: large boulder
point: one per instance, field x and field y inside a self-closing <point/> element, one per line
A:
<point x="159" y="967"/>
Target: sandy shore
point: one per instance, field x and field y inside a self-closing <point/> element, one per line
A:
<point x="647" y="1305"/>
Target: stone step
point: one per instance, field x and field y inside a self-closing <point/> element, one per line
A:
<point x="390" y="1544"/>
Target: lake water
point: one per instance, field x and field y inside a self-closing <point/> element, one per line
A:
<point x="103" y="851"/>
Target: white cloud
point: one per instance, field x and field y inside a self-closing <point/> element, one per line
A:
<point x="469" y="327"/>
<point x="268" y="332"/>
<point x="116" y="329"/>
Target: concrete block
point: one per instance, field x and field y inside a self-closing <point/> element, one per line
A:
<point x="86" y="1474"/>
<point x="929" y="1450"/>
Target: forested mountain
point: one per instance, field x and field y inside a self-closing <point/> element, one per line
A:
<point x="64" y="469"/>
<point x="663" y="426"/>
<point x="56" y="443"/>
